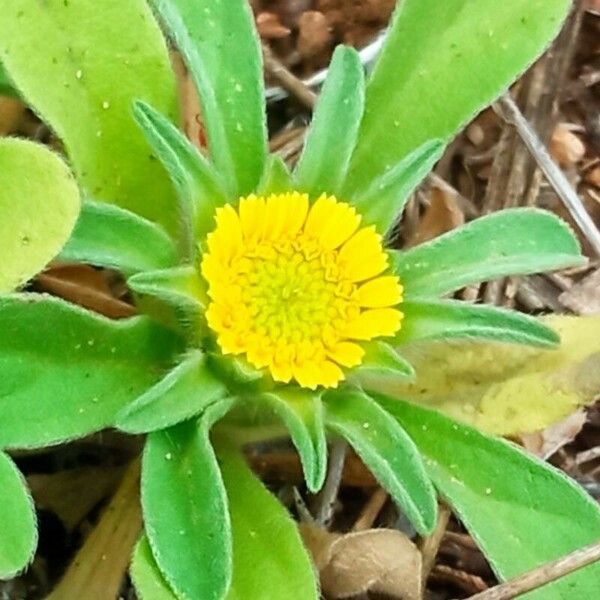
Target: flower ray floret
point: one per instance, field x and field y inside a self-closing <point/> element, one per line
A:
<point x="296" y="288"/>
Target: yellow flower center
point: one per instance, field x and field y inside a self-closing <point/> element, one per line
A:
<point x="295" y="287"/>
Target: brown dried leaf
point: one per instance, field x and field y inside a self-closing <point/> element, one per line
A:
<point x="584" y="297"/>
<point x="314" y="34"/>
<point x="269" y="26"/>
<point x="547" y="442"/>
<point x="565" y="147"/>
<point x="443" y="214"/>
<point x="11" y="111"/>
<point x="383" y="561"/>
<point x="593" y="177"/>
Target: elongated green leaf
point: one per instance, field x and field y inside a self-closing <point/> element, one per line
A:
<point x="381" y="359"/>
<point x="93" y="64"/>
<point x="332" y="135"/>
<point x="511" y="242"/>
<point x="6" y="87"/>
<point x="183" y="393"/>
<point x="276" y="178"/>
<point x="221" y="48"/>
<point x="448" y="319"/>
<point x="200" y="188"/>
<point x="181" y="286"/>
<point x="147" y="578"/>
<point x="441" y="64"/>
<point x="383" y="202"/>
<point x="521" y="511"/>
<point x="185" y="508"/>
<point x="17" y="520"/>
<point x="302" y="413"/>
<point x="175" y="297"/>
<point x="388" y="452"/>
<point x="66" y="372"/>
<point x="39" y="203"/>
<point x="269" y="559"/>
<point x="109" y="236"/>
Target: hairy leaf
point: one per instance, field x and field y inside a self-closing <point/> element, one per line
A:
<point x="302" y="413"/>
<point x="388" y="452"/>
<point x="276" y="178"/>
<point x="147" y="578"/>
<point x="185" y="508"/>
<point x="332" y="134"/>
<point x="109" y="236"/>
<point x="510" y="242"/>
<point x="39" y="203"/>
<point x="448" y="319"/>
<point x="200" y="187"/>
<point x="66" y="372"/>
<point x="221" y="48"/>
<point x="384" y="200"/>
<point x="383" y="360"/>
<point x="183" y="393"/>
<point x="502" y="388"/>
<point x="442" y="63"/>
<point x="522" y="512"/>
<point x="17" y="520"/>
<point x="269" y="559"/>
<point x="92" y="64"/>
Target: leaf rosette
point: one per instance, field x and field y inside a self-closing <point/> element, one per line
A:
<point x="271" y="299"/>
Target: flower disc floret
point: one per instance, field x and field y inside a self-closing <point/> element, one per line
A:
<point x="296" y="288"/>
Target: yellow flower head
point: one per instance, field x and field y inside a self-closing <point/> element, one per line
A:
<point x="294" y="287"/>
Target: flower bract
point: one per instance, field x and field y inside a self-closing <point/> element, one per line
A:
<point x="297" y="287"/>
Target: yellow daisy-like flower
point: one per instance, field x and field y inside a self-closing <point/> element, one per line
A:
<point x="294" y="287"/>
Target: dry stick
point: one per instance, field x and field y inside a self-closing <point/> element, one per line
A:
<point x="97" y="571"/>
<point x="539" y="577"/>
<point x="430" y="544"/>
<point x="370" y="511"/>
<point x="287" y="80"/>
<point x="555" y="176"/>
<point x="324" y="501"/>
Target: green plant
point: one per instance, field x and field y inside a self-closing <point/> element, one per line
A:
<point x="202" y="370"/>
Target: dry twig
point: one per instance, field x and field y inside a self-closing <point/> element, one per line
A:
<point x="539" y="577"/>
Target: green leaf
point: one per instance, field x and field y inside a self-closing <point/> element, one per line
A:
<point x="332" y="134"/>
<point x="441" y="64"/>
<point x="200" y="187"/>
<point x="185" y="508"/>
<point x="17" y="521"/>
<point x="181" y="286"/>
<point x="302" y="413"/>
<point x="39" y="203"/>
<point x="447" y="319"/>
<point x="388" y="452"/>
<point x="485" y="384"/>
<point x="221" y="48"/>
<point x="6" y="87"/>
<point x="93" y="64"/>
<point x="511" y="242"/>
<point x="269" y="558"/>
<point x="383" y="360"/>
<point x="276" y="178"/>
<point x="520" y="511"/>
<point x="183" y="393"/>
<point x="147" y="578"/>
<point x="109" y="236"/>
<point x="175" y="297"/>
<point x="384" y="200"/>
<point x="66" y="372"/>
